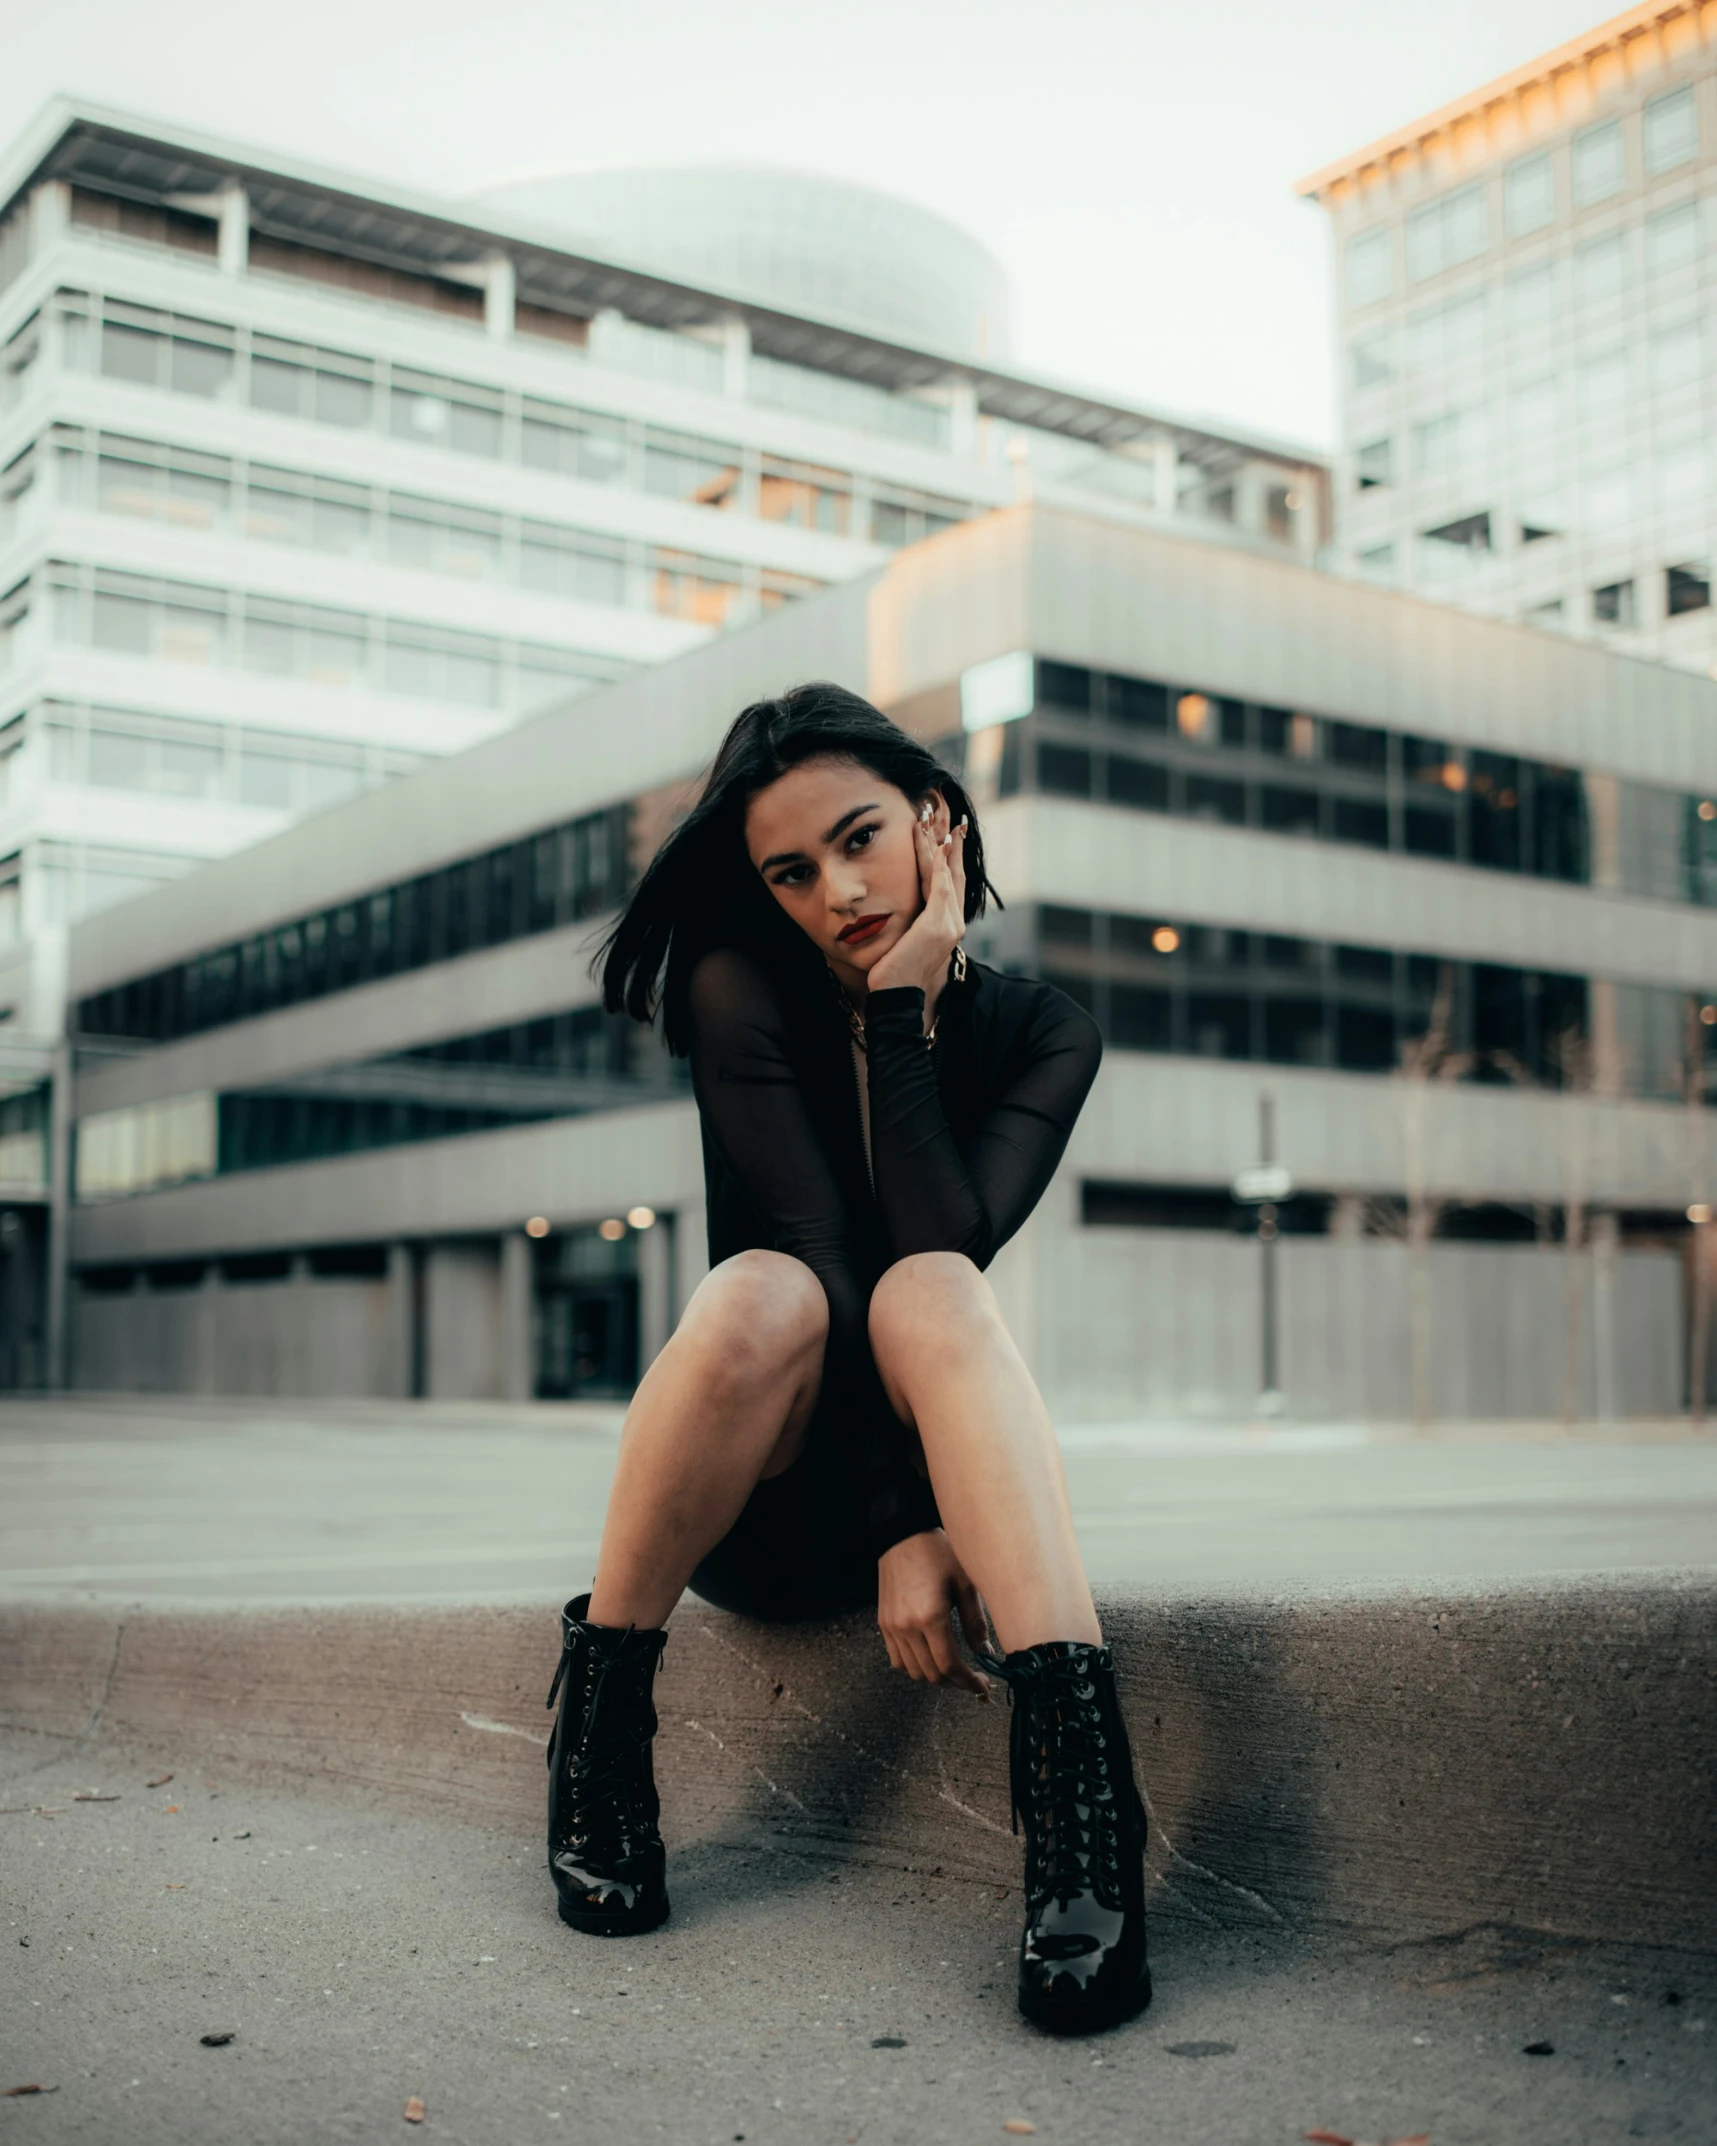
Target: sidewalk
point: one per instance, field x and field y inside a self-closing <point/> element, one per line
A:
<point x="173" y="1500"/>
<point x="798" y="1996"/>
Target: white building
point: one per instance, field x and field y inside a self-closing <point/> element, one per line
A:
<point x="304" y="481"/>
<point x="1526" y="300"/>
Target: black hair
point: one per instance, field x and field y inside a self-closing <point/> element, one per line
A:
<point x="701" y="889"/>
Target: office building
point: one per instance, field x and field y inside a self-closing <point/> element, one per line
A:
<point x="1525" y="322"/>
<point x="306" y="480"/>
<point x="1416" y="907"/>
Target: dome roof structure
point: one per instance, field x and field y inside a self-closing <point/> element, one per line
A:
<point x="793" y="241"/>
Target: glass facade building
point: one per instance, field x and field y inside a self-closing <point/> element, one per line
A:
<point x="1525" y="314"/>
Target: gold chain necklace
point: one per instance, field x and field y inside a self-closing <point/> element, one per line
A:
<point x="855" y="1019"/>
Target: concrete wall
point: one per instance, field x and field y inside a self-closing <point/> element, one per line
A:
<point x="303" y="1335"/>
<point x="1170" y="1322"/>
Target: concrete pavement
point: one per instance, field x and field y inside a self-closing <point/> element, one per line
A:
<point x="359" y="1957"/>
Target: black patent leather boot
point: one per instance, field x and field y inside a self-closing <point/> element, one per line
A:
<point x="1082" y="1958"/>
<point x="604" y="1848"/>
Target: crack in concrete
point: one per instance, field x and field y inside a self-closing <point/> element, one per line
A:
<point x="69" y="1747"/>
<point x="1215" y="1877"/>
<point x="774" y="1787"/>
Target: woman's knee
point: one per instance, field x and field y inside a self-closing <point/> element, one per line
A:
<point x="757" y="1315"/>
<point x="934" y="1297"/>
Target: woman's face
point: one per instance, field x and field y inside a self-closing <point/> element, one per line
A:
<point x="835" y="847"/>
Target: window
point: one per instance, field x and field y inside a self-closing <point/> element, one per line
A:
<point x="1670" y="130"/>
<point x="1377" y="562"/>
<point x="1529" y="194"/>
<point x="1375" y="463"/>
<point x="804" y="497"/>
<point x="1607" y="498"/>
<point x="1444" y="233"/>
<point x="707" y="591"/>
<point x="900" y="517"/>
<point x="1598" y="162"/>
<point x="1687" y="588"/>
<point x="1601" y="384"/>
<point x="699" y="471"/>
<point x="1600" y="268"/>
<point x="460" y="667"/>
<point x="1613" y="604"/>
<point x="1447" y="442"/>
<point x="1683" y="473"/>
<point x="1532" y="411"/>
<point x="329" y="387"/>
<point x="1531" y="298"/>
<point x="185" y="490"/>
<point x="562" y="562"/>
<point x="152" y="349"/>
<point x="1677" y="356"/>
<point x="1445" y="334"/>
<point x="1471" y="533"/>
<point x="573" y="443"/>
<point x="1373" y="361"/>
<point x="444" y="540"/>
<point x="1540" y="515"/>
<point x="325" y="648"/>
<point x="1548" y="618"/>
<point x="283" y="507"/>
<point x="1672" y="238"/>
<point x="434" y="412"/>
<point x="1370" y="267"/>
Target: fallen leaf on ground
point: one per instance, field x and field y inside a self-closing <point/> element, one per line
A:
<point x="1328" y="2138"/>
<point x="88" y="1795"/>
<point x="12" y="2092"/>
<point x="1019" y="2126"/>
<point x="169" y="1810"/>
<point x="219" y="2041"/>
<point x="172" y="1888"/>
<point x="414" y="2112"/>
<point x="160" y="1781"/>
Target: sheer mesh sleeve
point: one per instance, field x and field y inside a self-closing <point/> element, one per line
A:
<point x="934" y="1198"/>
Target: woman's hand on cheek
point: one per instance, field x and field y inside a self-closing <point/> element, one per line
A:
<point x="921" y="956"/>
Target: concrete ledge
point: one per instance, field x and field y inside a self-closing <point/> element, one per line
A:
<point x="1400" y="1765"/>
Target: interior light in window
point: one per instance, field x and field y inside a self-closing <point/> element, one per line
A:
<point x="612" y="1230"/>
<point x="1708" y="1014"/>
<point x="1165" y="938"/>
<point x="537" y="1226"/>
<point x="1192" y="713"/>
<point x="641" y="1217"/>
<point x="1707" y="809"/>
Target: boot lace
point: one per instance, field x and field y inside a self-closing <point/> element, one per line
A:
<point x="1061" y="1762"/>
<point x="610" y="1803"/>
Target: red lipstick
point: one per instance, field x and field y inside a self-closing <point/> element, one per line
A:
<point x="862" y="929"/>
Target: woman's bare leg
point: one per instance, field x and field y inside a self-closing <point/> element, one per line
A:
<point x="952" y="1371"/>
<point x="725" y="1404"/>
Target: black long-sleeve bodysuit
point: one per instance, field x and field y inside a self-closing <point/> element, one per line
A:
<point x="963" y="1139"/>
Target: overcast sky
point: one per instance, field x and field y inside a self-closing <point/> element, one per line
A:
<point x="1131" y="163"/>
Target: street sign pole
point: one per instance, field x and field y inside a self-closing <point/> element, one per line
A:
<point x="1266" y="1187"/>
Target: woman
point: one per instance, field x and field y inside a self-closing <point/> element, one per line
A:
<point x="841" y="1417"/>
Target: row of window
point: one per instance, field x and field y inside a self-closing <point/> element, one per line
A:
<point x="186" y="490"/>
<point x="216" y="361"/>
<point x="608" y="340"/>
<point x="1456" y="227"/>
<point x="1459" y="328"/>
<point x="1139" y="743"/>
<point x="1160" y="984"/>
<point x="183" y="622"/>
<point x="1440" y="553"/>
<point x="170" y="756"/>
<point x="544" y="880"/>
<point x="1536" y="410"/>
